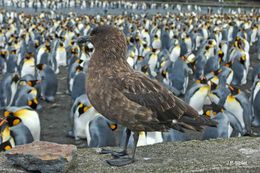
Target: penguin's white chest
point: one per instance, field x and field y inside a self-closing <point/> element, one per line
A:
<point x="230" y="130"/>
<point x="28" y="68"/>
<point x="185" y="84"/>
<point x="256" y="90"/>
<point x="130" y="61"/>
<point x="61" y="56"/>
<point x="176" y="51"/>
<point x="156" y="44"/>
<point x="198" y="99"/>
<point x="40" y="52"/>
<point x="243" y="81"/>
<point x="152" y="61"/>
<point x="154" y="137"/>
<point x="230" y="77"/>
<point x="81" y="123"/>
<point x="233" y="106"/>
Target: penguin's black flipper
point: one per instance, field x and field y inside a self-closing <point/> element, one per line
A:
<point x="21" y="134"/>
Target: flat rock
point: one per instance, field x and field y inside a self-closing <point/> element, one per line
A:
<point x="44" y="157"/>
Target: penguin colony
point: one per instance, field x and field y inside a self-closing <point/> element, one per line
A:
<point x="205" y="59"/>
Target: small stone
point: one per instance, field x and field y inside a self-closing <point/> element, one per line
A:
<point x="45" y="157"/>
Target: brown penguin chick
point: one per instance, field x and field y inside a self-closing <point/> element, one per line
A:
<point x="130" y="98"/>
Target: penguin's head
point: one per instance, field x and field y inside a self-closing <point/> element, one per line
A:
<point x="234" y="90"/>
<point x="213" y="86"/>
<point x="47" y="45"/>
<point x="3" y="53"/>
<point x="32" y="83"/>
<point x="217" y="109"/>
<point x="72" y="42"/>
<point x="15" y="78"/>
<point x="29" y="56"/>
<point x="131" y="40"/>
<point x="112" y="126"/>
<point x="33" y="103"/>
<point x="11" y="118"/>
<point x="74" y="51"/>
<point x="220" y="55"/>
<point x="140" y="58"/>
<point x="242" y="59"/>
<point x="207" y="112"/>
<point x="89" y="48"/>
<point x="145" y="45"/>
<point x="13" y="51"/>
<point x="202" y="80"/>
<point x="5" y="136"/>
<point x="228" y="64"/>
<point x="61" y="44"/>
<point x="184" y="58"/>
<point x="40" y="67"/>
<point x="238" y="43"/>
<point x="137" y="39"/>
<point x="79" y="61"/>
<point x="207" y="47"/>
<point x="22" y="83"/>
<point x="145" y="68"/>
<point x="154" y="50"/>
<point x="36" y="43"/>
<point x="79" y="68"/>
<point x="216" y="72"/>
<point x="82" y="108"/>
<point x="164" y="73"/>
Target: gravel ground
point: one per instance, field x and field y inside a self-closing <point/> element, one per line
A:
<point x="236" y="155"/>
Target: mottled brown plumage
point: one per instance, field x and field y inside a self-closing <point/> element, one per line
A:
<point x="130" y="98"/>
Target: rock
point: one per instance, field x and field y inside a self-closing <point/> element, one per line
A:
<point x="45" y="157"/>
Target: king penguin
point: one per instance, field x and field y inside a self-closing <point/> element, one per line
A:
<point x="28" y="65"/>
<point x="238" y="104"/>
<point x="197" y="94"/>
<point x="255" y="99"/>
<point x="6" y="140"/>
<point x="28" y="117"/>
<point x="48" y="82"/>
<point x="78" y="81"/>
<point x="90" y="125"/>
<point x="228" y="125"/>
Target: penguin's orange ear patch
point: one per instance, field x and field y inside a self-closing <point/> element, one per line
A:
<point x="8" y="147"/>
<point x="16" y="121"/>
<point x="6" y="113"/>
<point x="208" y="113"/>
<point x="29" y="102"/>
<point x="29" y="83"/>
<point x="113" y="126"/>
<point x="197" y="81"/>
